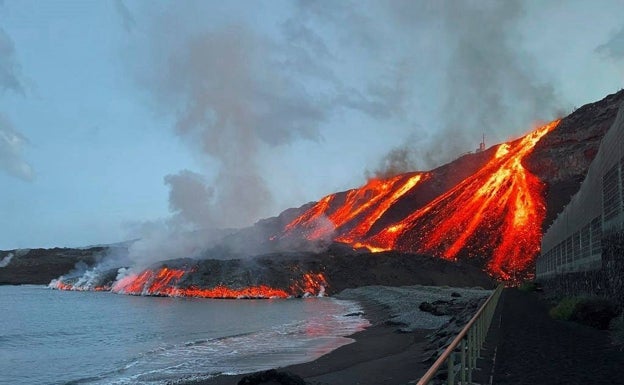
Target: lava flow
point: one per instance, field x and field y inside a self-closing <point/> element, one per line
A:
<point x="494" y="215"/>
<point x="167" y="281"/>
<point x="351" y="216"/>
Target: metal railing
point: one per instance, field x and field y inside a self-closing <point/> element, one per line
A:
<point x="467" y="345"/>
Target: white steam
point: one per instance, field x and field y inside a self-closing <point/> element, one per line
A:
<point x="238" y="89"/>
<point x="12" y="141"/>
<point x="6" y="260"/>
<point x="489" y="85"/>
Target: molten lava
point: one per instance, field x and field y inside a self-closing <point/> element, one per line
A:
<point x="494" y="214"/>
<point x="167" y="282"/>
<point x="355" y="214"/>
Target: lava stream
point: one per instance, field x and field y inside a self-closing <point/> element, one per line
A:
<point x="495" y="214"/>
<point x="353" y="217"/>
<point x="167" y="282"/>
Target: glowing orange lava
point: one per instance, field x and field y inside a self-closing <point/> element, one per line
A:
<point x="361" y="208"/>
<point x="495" y="214"/>
<point x="166" y="282"/>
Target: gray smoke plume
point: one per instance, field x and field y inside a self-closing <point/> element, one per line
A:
<point x="4" y="262"/>
<point x="9" y="68"/>
<point x="237" y="92"/>
<point x="11" y="145"/>
<point x="491" y="85"/>
<point x="11" y="140"/>
<point x="234" y="94"/>
<point x="230" y="99"/>
<point x="463" y="55"/>
<point x="614" y="47"/>
<point x="127" y="20"/>
<point x="399" y="160"/>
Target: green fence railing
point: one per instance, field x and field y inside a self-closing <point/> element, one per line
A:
<point x="466" y="347"/>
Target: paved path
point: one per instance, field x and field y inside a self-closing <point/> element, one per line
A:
<point x="535" y="349"/>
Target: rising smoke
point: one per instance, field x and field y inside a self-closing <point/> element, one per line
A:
<point x="230" y="100"/>
<point x="489" y="85"/>
<point x="237" y="92"/>
<point x="234" y="96"/>
<point x="397" y="161"/>
<point x="11" y="140"/>
<point x="614" y="47"/>
<point x="4" y="262"/>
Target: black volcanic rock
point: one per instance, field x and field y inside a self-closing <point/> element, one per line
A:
<point x="342" y="270"/>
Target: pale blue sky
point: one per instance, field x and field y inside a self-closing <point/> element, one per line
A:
<point x="310" y="96"/>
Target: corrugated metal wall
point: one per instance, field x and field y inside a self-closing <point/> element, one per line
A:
<point x="573" y="241"/>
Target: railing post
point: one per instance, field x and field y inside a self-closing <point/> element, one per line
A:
<point x="471" y="348"/>
<point x="481" y="333"/>
<point x="463" y="361"/>
<point x="451" y="369"/>
<point x="475" y="346"/>
<point x="470" y="341"/>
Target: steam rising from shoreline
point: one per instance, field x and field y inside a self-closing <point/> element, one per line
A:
<point x="4" y="262"/>
<point x="237" y="92"/>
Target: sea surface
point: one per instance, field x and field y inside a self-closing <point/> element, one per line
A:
<point x="63" y="337"/>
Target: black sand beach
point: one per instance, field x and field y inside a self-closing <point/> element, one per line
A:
<point x="381" y="355"/>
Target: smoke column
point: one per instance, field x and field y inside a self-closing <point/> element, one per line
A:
<point x="11" y="140"/>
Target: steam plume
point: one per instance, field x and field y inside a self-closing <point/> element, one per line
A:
<point x="397" y="161"/>
<point x="9" y="68"/>
<point x="4" y="262"/>
<point x="614" y="47"/>
<point x="491" y="86"/>
<point x="11" y="141"/>
<point x="11" y="144"/>
<point x="230" y="101"/>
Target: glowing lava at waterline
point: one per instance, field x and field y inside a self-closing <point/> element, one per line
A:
<point x="495" y="214"/>
<point x="167" y="282"/>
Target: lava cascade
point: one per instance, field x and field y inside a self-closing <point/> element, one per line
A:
<point x="494" y="214"/>
<point x="166" y="282"/>
<point x="351" y="215"/>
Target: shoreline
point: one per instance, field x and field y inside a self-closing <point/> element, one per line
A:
<point x="391" y="351"/>
<point x="379" y="354"/>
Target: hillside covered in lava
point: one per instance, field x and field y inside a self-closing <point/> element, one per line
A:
<point x="489" y="208"/>
<point x="483" y="212"/>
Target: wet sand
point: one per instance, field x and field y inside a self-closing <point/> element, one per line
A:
<point x="380" y="355"/>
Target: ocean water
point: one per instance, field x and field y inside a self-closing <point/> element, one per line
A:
<point x="65" y="337"/>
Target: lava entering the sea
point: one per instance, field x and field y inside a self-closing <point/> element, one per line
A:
<point x="166" y="282"/>
<point x="494" y="215"/>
